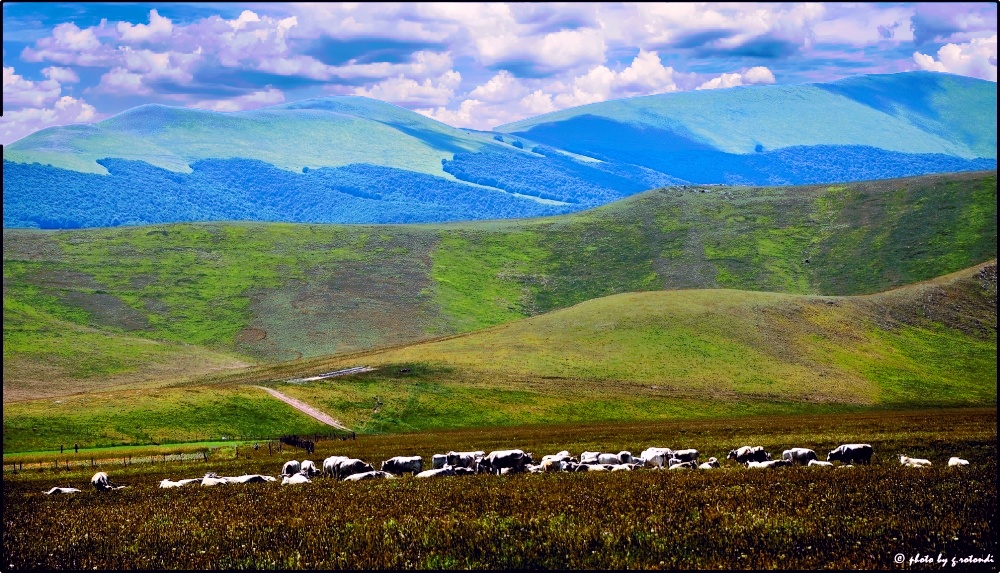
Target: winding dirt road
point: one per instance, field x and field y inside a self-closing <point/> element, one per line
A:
<point x="306" y="409"/>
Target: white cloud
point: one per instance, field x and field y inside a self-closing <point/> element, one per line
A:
<point x="61" y="75"/>
<point x="462" y="117"/>
<point x="262" y="98"/>
<point x="552" y="52"/>
<point x="664" y="23"/>
<point x="408" y="92"/>
<point x="19" y="91"/>
<point x="976" y="58"/>
<point x="501" y="87"/>
<point x="69" y="44"/>
<point x="537" y="103"/>
<point x="755" y="75"/>
<point x="645" y="75"/>
<point x="158" y="27"/>
<point x="722" y="82"/>
<point x="67" y="110"/>
<point x="119" y="80"/>
<point x="505" y="98"/>
<point x="758" y="75"/>
<point x="424" y="65"/>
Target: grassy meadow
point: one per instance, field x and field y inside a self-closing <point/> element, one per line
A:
<point x="80" y="305"/>
<point x="731" y="518"/>
<point x="654" y="356"/>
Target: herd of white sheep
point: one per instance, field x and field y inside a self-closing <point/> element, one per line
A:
<point x="517" y="461"/>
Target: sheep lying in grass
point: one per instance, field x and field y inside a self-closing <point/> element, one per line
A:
<point x="914" y="462"/>
<point x="61" y="490"/>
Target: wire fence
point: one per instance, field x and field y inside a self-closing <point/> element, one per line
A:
<point x="74" y="460"/>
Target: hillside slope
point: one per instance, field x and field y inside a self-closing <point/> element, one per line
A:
<point x="635" y="357"/>
<point x="277" y="292"/>
<point x="650" y="355"/>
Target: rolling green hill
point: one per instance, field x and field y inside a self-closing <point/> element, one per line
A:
<point x="77" y="304"/>
<point x="632" y="357"/>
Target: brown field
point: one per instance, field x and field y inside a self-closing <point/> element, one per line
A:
<point x="733" y="518"/>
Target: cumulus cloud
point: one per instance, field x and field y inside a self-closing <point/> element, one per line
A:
<point x="67" y="110"/>
<point x="755" y="75"/>
<point x="61" y="75"/>
<point x="506" y="98"/>
<point x="562" y="50"/>
<point x="158" y="27"/>
<point x="409" y="92"/>
<point x="119" y="80"/>
<point x="501" y="87"/>
<point x="423" y="64"/>
<point x="69" y="44"/>
<point x="734" y="29"/>
<point x="142" y="68"/>
<point x="758" y="75"/>
<point x="19" y="91"/>
<point x="262" y="98"/>
<point x="976" y="58"/>
<point x="645" y="75"/>
<point x="537" y="103"/>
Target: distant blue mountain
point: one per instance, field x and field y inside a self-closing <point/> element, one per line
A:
<point x="358" y="160"/>
<point x="864" y="127"/>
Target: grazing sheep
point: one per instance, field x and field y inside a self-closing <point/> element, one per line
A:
<point x="746" y="454"/>
<point x="914" y="462"/>
<point x="655" y="457"/>
<point x="330" y="465"/>
<point x="820" y="464"/>
<point x="679" y="465"/>
<point x="957" y="462"/>
<point x="799" y="455"/>
<point x="102" y="482"/>
<point x="309" y="468"/>
<point x="291" y="467"/>
<point x="690" y="455"/>
<point x="438" y="461"/>
<point x="851" y="453"/>
<point x="400" y="465"/>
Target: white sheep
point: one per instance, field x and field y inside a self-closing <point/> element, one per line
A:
<point x="61" y="490"/>
<point x="914" y="462"/>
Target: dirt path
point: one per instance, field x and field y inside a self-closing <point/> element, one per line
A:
<point x="306" y="408"/>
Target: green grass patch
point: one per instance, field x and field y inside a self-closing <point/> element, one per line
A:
<point x="151" y="416"/>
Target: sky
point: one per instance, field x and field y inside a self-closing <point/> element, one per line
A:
<point x="469" y="65"/>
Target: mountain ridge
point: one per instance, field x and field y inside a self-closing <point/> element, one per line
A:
<point x="328" y="160"/>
